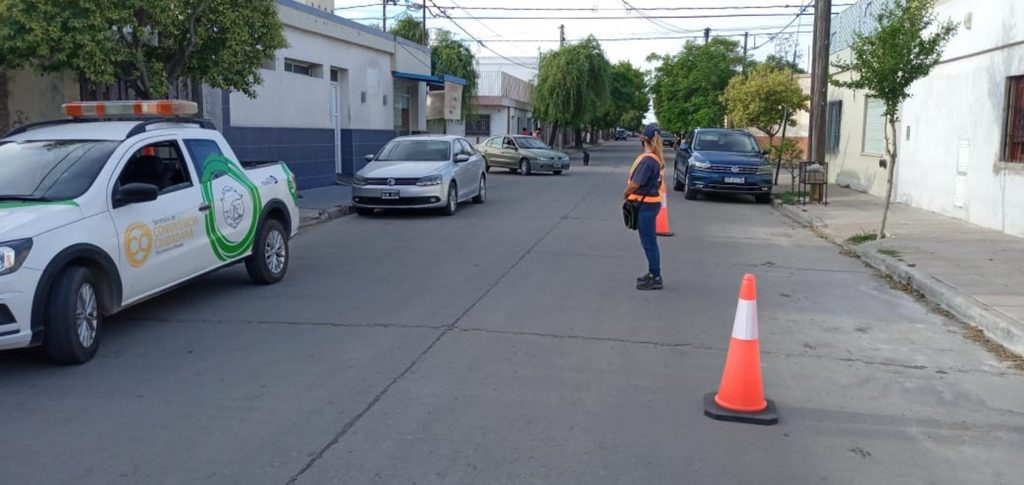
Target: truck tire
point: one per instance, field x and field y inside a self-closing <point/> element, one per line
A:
<point x="74" y="319"/>
<point x="270" y="255"/>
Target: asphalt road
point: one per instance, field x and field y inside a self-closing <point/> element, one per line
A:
<point x="507" y="345"/>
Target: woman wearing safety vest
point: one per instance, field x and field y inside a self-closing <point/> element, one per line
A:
<point x="644" y="185"/>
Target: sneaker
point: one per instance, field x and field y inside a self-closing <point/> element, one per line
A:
<point x="644" y="277"/>
<point x="654" y="283"/>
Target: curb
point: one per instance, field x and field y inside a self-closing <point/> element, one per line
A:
<point x="312" y="217"/>
<point x="997" y="326"/>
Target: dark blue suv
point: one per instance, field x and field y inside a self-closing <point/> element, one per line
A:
<point x="721" y="160"/>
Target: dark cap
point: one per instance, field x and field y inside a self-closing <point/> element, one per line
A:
<point x="650" y="130"/>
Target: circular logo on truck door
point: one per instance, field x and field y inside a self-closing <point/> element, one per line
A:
<point x="138" y="243"/>
<point x="235" y="207"/>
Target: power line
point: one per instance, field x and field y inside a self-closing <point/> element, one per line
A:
<point x="357" y="6"/>
<point x="613" y="17"/>
<point x="478" y="41"/>
<point x="599" y="9"/>
<point x="773" y="36"/>
<point x="620" y="39"/>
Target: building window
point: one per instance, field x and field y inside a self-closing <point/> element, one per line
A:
<point x="833" y="121"/>
<point x="1014" y="143"/>
<point x="478" y="125"/>
<point x="299" y="67"/>
<point x="874" y="127"/>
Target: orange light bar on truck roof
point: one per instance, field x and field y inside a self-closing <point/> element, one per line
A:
<point x="99" y="109"/>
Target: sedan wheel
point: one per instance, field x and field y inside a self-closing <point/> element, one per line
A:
<point x="481" y="194"/>
<point x="524" y="167"/>
<point x="453" y="200"/>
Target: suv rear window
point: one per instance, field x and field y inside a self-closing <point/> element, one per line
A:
<point x="51" y="170"/>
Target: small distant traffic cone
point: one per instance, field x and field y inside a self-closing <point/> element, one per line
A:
<point x="661" y="222"/>
<point x="740" y="396"/>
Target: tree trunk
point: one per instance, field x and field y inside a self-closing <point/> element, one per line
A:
<point x="891" y="148"/>
<point x="579" y="137"/>
<point x="554" y="134"/>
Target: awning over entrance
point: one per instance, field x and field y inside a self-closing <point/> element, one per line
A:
<point x="435" y="80"/>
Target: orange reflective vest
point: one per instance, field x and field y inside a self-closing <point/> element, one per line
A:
<point x="653" y="199"/>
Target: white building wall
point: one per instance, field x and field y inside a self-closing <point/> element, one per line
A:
<point x="957" y="114"/>
<point x="289" y="100"/>
<point x="851" y="165"/>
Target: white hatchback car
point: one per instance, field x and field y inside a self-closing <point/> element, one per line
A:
<point x="416" y="172"/>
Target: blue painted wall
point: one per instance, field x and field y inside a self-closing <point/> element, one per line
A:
<point x="309" y="152"/>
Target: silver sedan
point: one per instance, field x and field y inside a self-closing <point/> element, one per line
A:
<point x="421" y="172"/>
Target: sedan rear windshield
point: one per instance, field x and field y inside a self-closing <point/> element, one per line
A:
<point x="51" y="170"/>
<point x="530" y="142"/>
<point x="725" y="142"/>
<point x="415" y="151"/>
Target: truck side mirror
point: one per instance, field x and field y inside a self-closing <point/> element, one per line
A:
<point x="135" y="193"/>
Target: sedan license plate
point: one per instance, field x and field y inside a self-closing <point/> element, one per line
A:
<point x="734" y="180"/>
<point x="389" y="194"/>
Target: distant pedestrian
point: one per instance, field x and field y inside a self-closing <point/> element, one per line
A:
<point x="644" y="186"/>
<point x="586" y="157"/>
<point x="525" y="132"/>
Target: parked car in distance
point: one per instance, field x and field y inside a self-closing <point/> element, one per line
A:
<point x="668" y="139"/>
<point x="98" y="215"/>
<point x="523" y="154"/>
<point x="722" y="160"/>
<point x="621" y="134"/>
<point x="420" y="172"/>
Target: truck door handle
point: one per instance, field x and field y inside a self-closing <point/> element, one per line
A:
<point x="204" y="207"/>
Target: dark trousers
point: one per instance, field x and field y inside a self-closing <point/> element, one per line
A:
<point x="648" y="238"/>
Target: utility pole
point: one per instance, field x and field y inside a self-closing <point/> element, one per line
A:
<point x="384" y="16"/>
<point x="819" y="78"/>
<point x="425" y="22"/>
<point x="707" y="34"/>
<point x="745" y="35"/>
<point x="561" y="35"/>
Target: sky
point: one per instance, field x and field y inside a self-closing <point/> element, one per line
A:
<point x="526" y="38"/>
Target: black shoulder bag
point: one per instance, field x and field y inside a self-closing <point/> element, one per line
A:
<point x="631" y="212"/>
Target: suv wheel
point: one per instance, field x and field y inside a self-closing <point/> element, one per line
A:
<point x="689" y="193"/>
<point x="676" y="184"/>
<point x="74" y="321"/>
<point x="269" y="260"/>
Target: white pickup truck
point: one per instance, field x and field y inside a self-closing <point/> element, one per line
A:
<point x="98" y="215"/>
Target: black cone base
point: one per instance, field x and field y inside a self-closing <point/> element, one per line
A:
<point x="769" y="416"/>
<point x="666" y="234"/>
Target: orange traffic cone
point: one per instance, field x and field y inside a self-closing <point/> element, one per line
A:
<point x="740" y="396"/>
<point x="661" y="222"/>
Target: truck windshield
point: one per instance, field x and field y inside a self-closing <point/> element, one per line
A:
<point x="415" y="151"/>
<point x="51" y="170"/>
<point x="725" y="142"/>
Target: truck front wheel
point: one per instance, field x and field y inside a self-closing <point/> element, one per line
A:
<point x="73" y="317"/>
<point x="269" y="260"/>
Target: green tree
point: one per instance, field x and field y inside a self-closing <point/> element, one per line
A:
<point x="687" y="87"/>
<point x="778" y="62"/>
<point x="150" y="44"/>
<point x="449" y="56"/>
<point x="766" y="99"/>
<point x="905" y="48"/>
<point x="408" y="28"/>
<point x="628" y="101"/>
<point x="572" y="85"/>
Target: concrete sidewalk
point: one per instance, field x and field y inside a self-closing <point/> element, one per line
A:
<point x="973" y="272"/>
<point x="324" y="203"/>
